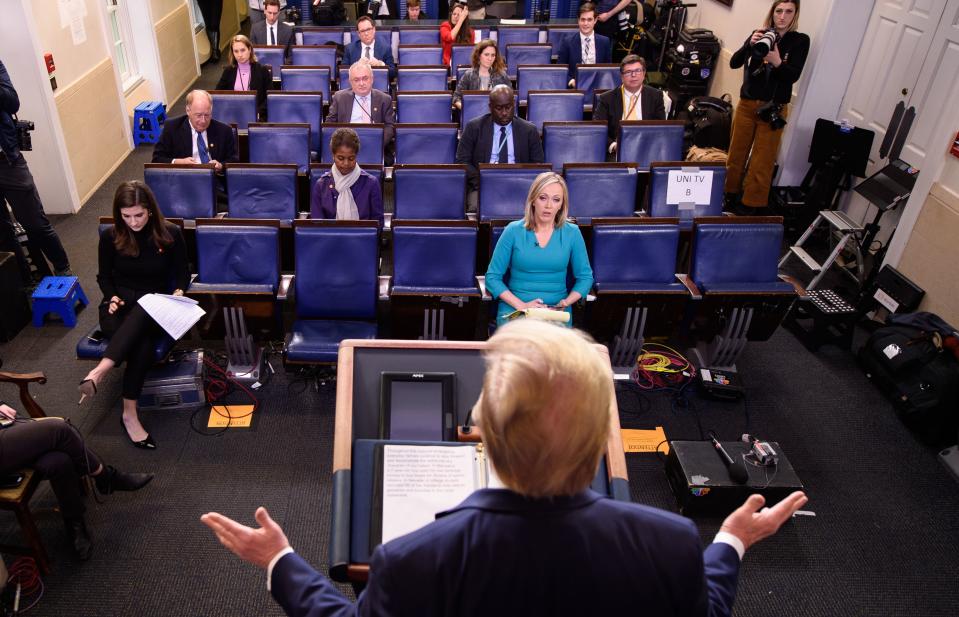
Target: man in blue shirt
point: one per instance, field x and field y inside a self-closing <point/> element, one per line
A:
<point x="18" y="189"/>
<point x="498" y="137"/>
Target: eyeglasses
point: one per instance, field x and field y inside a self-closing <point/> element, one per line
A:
<point x="365" y="30"/>
<point x="634" y="72"/>
<point x="361" y="78"/>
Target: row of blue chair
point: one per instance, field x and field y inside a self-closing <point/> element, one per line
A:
<point x="411" y="34"/>
<point x="260" y="191"/>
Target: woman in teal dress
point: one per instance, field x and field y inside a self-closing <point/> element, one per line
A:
<point x="536" y="253"/>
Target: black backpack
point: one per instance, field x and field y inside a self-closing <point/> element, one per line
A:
<point x="921" y="379"/>
<point x="709" y="122"/>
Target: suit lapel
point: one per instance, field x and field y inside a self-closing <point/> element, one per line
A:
<point x="487" y="139"/>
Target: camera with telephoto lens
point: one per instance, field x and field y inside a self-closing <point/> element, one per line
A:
<point x="293" y="15"/>
<point x="771" y="112"/>
<point x="24" y="142"/>
<point x="765" y="44"/>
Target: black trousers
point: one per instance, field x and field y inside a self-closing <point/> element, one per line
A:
<point x="56" y="451"/>
<point x="133" y="335"/>
<point x="211" y="11"/>
<point x="18" y="189"/>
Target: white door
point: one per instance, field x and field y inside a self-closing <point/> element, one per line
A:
<point x="894" y="54"/>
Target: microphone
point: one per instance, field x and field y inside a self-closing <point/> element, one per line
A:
<point x="737" y="471"/>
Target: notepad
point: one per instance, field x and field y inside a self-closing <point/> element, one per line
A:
<point x="544" y="314"/>
<point x="175" y="314"/>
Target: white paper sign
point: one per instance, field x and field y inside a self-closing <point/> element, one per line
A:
<point x="175" y="314"/>
<point x="689" y="187"/>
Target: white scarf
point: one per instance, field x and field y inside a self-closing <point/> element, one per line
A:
<point x="345" y="206"/>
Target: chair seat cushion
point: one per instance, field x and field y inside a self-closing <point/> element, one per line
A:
<point x="435" y="291"/>
<point x="641" y="287"/>
<point x="231" y="288"/>
<point x="90" y="350"/>
<point x="772" y="287"/>
<point x="318" y="340"/>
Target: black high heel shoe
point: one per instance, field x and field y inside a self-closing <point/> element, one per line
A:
<point x="145" y="444"/>
<point x="87" y="389"/>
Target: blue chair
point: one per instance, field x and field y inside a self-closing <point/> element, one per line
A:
<point x="539" y="77"/>
<point x="649" y="141"/>
<point x="306" y="79"/>
<point x="420" y="55"/>
<point x="433" y="292"/>
<point x="322" y="35"/>
<point x="426" y="144"/>
<point x="574" y="142"/>
<point x="412" y="35"/>
<point x="282" y="144"/>
<point x="429" y="191"/>
<point x="526" y="53"/>
<point x="637" y="292"/>
<point x="554" y="106"/>
<point x="272" y="56"/>
<point x="238" y="257"/>
<point x="475" y="104"/>
<point x="600" y="190"/>
<point x="734" y="268"/>
<point x="461" y="70"/>
<point x="182" y="191"/>
<point x="371" y="142"/>
<point x="424" y="107"/>
<point x="422" y="78"/>
<point x="261" y="191"/>
<point x="381" y="78"/>
<point x="314" y="55"/>
<point x="384" y="36"/>
<point x="232" y="107"/>
<point x="509" y="35"/>
<point x="336" y="287"/>
<point x="592" y="77"/>
<point x="503" y="189"/>
<point x="658" y="204"/>
<point x="297" y="107"/>
<point x="462" y="55"/>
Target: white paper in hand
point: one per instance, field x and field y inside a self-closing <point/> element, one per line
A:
<point x="175" y="314"/>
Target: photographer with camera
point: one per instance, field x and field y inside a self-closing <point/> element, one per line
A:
<point x="18" y="189"/>
<point x="774" y="57"/>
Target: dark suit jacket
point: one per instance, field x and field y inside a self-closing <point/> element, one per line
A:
<point x="476" y="145"/>
<point x="382" y="112"/>
<point x="176" y="142"/>
<point x="498" y="553"/>
<point x="609" y="108"/>
<point x="382" y="51"/>
<point x="284" y="35"/>
<point x="571" y="52"/>
<point x="261" y="80"/>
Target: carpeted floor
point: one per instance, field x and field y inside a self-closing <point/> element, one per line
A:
<point x="883" y="541"/>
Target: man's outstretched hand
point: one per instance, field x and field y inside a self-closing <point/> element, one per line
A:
<point x="751" y="524"/>
<point x="258" y="546"/>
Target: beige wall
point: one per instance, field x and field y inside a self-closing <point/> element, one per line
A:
<point x="932" y="253"/>
<point x="72" y="61"/>
<point x="174" y="34"/>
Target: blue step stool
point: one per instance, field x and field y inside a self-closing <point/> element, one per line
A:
<point x="148" y="119"/>
<point x="58" y="294"/>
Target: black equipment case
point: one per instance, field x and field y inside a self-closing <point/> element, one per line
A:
<point x="689" y="71"/>
<point x="175" y="384"/>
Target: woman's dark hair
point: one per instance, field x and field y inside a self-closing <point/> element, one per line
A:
<point x="136" y="193"/>
<point x="499" y="65"/>
<point x="345" y="137"/>
<point x="465" y="35"/>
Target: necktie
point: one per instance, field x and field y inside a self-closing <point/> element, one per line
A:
<point x="633" y="102"/>
<point x="272" y="36"/>
<point x="201" y="149"/>
<point x="586" y="51"/>
<point x="366" y="52"/>
<point x="503" y="149"/>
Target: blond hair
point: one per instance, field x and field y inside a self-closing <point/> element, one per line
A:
<point x="539" y="183"/>
<point x="544" y="408"/>
<point x="246" y="42"/>
<point x="794" y="26"/>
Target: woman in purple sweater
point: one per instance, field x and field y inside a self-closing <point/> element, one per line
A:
<point x="331" y="199"/>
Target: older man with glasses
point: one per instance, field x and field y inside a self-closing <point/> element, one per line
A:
<point x="196" y="138"/>
<point x="368" y="48"/>
<point x="630" y="101"/>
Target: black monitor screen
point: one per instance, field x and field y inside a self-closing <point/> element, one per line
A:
<point x="417" y="406"/>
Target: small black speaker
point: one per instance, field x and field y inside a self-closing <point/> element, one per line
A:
<point x="14" y="307"/>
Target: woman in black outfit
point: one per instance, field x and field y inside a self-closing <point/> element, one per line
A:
<point x="768" y="79"/>
<point x="140" y="254"/>
<point x="245" y="73"/>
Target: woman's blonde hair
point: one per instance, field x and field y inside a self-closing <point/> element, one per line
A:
<point x="544" y="408"/>
<point x="245" y="41"/>
<point x="794" y="26"/>
<point x="542" y="181"/>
